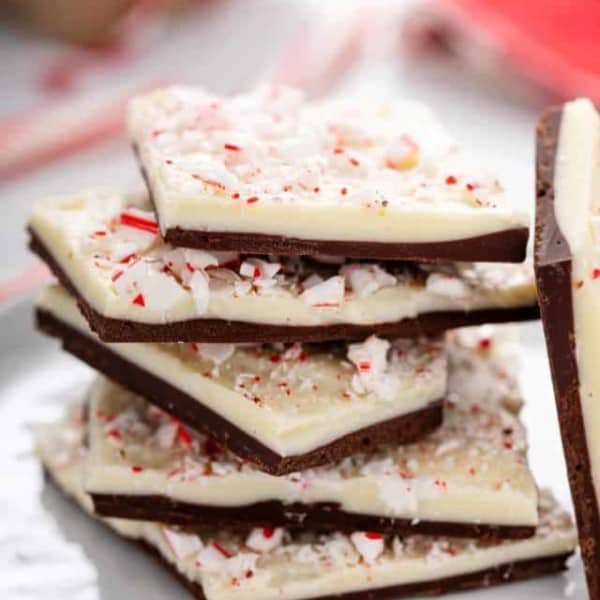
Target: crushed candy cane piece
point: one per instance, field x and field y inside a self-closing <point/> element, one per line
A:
<point x="370" y="547"/>
<point x="182" y="544"/>
<point x="264" y="539"/>
<point x="447" y="285"/>
<point x="329" y="293"/>
<point x="200" y="291"/>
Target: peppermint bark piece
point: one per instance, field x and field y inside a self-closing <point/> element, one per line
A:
<point x="270" y="173"/>
<point x="221" y="565"/>
<point x="282" y="408"/>
<point x="567" y="269"/>
<point x="132" y="287"/>
<point x="469" y="479"/>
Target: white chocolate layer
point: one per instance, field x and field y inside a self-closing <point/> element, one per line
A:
<point x="292" y="400"/>
<point x="472" y="470"/>
<point x="107" y="244"/>
<point x="270" y="162"/>
<point x="230" y="567"/>
<point x="577" y="210"/>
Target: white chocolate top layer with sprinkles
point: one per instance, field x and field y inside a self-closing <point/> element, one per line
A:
<point x="270" y="162"/>
<point x="236" y="567"/>
<point x="293" y="399"/>
<point x="472" y="470"/>
<point x="108" y="245"/>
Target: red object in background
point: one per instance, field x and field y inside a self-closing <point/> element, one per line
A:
<point x="554" y="43"/>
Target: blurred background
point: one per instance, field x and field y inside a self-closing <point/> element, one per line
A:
<point x="69" y="66"/>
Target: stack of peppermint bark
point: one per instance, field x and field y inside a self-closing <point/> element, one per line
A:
<point x="280" y="411"/>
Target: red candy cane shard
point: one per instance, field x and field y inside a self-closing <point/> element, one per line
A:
<point x="139" y="223"/>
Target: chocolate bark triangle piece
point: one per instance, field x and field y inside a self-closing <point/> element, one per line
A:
<point x="219" y="563"/>
<point x="469" y="479"/>
<point x="271" y="173"/>
<point x="133" y="287"/>
<point x="283" y="408"/>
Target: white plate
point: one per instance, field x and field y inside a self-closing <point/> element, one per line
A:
<point x="50" y="549"/>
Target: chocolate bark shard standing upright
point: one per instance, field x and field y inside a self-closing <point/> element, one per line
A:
<point x="132" y="287"/>
<point x="270" y="173"/>
<point x="566" y="262"/>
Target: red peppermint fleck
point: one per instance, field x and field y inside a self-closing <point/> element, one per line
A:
<point x="99" y="233"/>
<point x="338" y="150"/>
<point x="372" y="535"/>
<point x="115" y="434"/>
<point x="249" y="574"/>
<point x="184" y="437"/>
<point x="194" y="346"/>
<point x="232" y="147"/>
<point x="475" y="409"/>
<point x="325" y="304"/>
<point x="252" y="200"/>
<point x="256" y="273"/>
<point x="189" y="267"/>
<point x="156" y="133"/>
<point x="268" y="532"/>
<point x="275" y="358"/>
<point x="485" y="343"/>
<point x="508" y="445"/>
<point x="127" y="258"/>
<point x="139" y="223"/>
<point x="451" y="180"/>
<point x="316" y="190"/>
<point x="353" y="162"/>
<point x="235" y="196"/>
<point x="139" y="300"/>
<point x="116" y="275"/>
<point x="344" y="191"/>
<point x="364" y="366"/>
<point x="137" y="468"/>
<point x="221" y="550"/>
<point x="169" y="161"/>
<point x="471" y="186"/>
<point x="472" y="472"/>
<point x="595" y="273"/>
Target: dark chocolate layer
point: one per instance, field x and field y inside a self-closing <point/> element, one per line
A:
<point x="501" y="574"/>
<point x="321" y="516"/>
<point x="504" y="246"/>
<point x="399" y="430"/>
<point x="222" y="331"/>
<point x="553" y="265"/>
